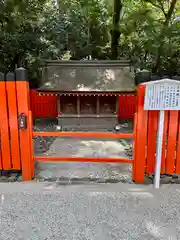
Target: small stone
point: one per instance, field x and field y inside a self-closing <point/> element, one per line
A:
<point x="111" y="180"/>
<point x="12" y="179"/>
<point x="177" y="180"/>
<point x="41" y="180"/>
<point x="166" y="180"/>
<point x="148" y="180"/>
<point x="3" y="179"/>
<point x="47" y="178"/>
<point x="100" y="180"/>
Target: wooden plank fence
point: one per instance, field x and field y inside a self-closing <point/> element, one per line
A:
<point x="146" y="130"/>
<point x="46" y="106"/>
<point x="16" y="142"/>
<point x="43" y="106"/>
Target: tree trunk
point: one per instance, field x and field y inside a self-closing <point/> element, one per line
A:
<point x="166" y="24"/>
<point x="18" y="61"/>
<point x="115" y="33"/>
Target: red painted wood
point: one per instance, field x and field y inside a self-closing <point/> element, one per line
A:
<point x="46" y="106"/>
<point x="83" y="159"/>
<point x="151" y="140"/>
<point x="127" y="106"/>
<point x="43" y="106"/>
<point x="172" y="140"/>
<point x="166" y="123"/>
<point x="178" y="148"/>
<point x="140" y="147"/>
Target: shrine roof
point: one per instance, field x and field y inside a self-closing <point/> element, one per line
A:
<point x="87" y="76"/>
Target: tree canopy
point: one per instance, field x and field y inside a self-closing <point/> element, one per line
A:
<point x="143" y="31"/>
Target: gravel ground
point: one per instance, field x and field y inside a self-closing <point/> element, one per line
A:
<point x="83" y="148"/>
<point x="45" y="211"/>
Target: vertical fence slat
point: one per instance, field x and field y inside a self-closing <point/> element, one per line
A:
<point x="131" y="107"/>
<point x="4" y="125"/>
<point x="151" y="142"/>
<point x="163" y="160"/>
<point x="128" y="105"/>
<point x="119" y="110"/>
<point x="140" y="139"/>
<point x="43" y="105"/>
<point x="31" y="141"/>
<point x="178" y="148"/>
<point x="13" y="122"/>
<point x="172" y="136"/>
<point x="125" y="108"/>
<point x="56" y="106"/>
<point x="1" y="166"/>
<point x="134" y="142"/>
<point x="22" y="86"/>
<point x="122" y="106"/>
<point x="119" y="107"/>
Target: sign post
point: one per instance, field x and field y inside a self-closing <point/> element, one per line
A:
<point x="159" y="149"/>
<point x="161" y="95"/>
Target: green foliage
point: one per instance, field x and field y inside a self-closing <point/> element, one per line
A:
<point x="19" y="31"/>
<point x="44" y="29"/>
<point x="149" y="39"/>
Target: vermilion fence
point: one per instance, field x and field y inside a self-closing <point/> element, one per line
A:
<point x="171" y="142"/>
<point x="127" y="106"/>
<point x="16" y="134"/>
<point x="146" y="135"/>
<point x="43" y="106"/>
<point x="46" y="106"/>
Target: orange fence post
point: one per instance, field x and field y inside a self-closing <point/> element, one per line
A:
<point x="151" y="140"/>
<point x="172" y="140"/>
<point x="4" y="127"/>
<point x="134" y="142"/>
<point x="163" y="160"/>
<point x="22" y="86"/>
<point x="13" y="122"/>
<point x="178" y="149"/>
<point x="140" y="138"/>
<point x="31" y="140"/>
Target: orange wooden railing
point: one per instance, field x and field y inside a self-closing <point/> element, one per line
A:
<point x="145" y="141"/>
<point x="16" y="143"/>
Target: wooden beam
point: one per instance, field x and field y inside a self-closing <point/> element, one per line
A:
<point x="83" y="159"/>
<point x="97" y="106"/>
<point x="86" y="134"/>
<point x="78" y="106"/>
<point x="117" y="105"/>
